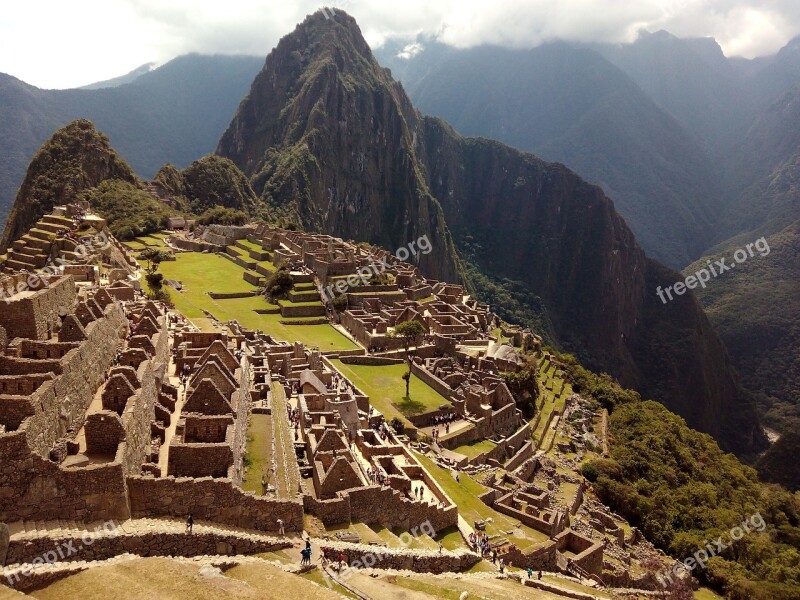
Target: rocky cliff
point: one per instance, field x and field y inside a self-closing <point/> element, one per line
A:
<point x="74" y="160"/>
<point x="327" y="136"/>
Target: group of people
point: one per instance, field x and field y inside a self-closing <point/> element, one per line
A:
<point x="305" y="553"/>
<point x="442" y="421"/>
<point x="479" y="541"/>
<point x="329" y="555"/>
<point x="377" y="476"/>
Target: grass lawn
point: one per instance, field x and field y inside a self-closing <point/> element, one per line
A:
<point x="201" y="273"/>
<point x="250" y="245"/>
<point x="474" y="449"/>
<point x="465" y="495"/>
<point x="387" y="391"/>
<point x="259" y="452"/>
<point x="451" y="539"/>
<point x="706" y="594"/>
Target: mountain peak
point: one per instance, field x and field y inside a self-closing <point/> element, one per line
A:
<point x="75" y="159"/>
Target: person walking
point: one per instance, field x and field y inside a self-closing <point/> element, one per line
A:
<point x="281" y="530"/>
<point x="189" y="524"/>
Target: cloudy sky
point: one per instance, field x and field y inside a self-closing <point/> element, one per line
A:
<point x="67" y="43"/>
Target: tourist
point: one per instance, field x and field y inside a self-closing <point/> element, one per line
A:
<point x="502" y="566"/>
<point x="440" y="547"/>
<point x="530" y="572"/>
<point x="189" y="523"/>
<point x="281" y="530"/>
<point x="341" y="560"/>
<point x="539" y="576"/>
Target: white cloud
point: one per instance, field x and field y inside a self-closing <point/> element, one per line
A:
<point x="62" y="44"/>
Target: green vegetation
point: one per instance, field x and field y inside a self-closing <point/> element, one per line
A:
<point x="278" y="284"/>
<point x="212" y="187"/>
<point x="466" y="495"/>
<point x="385" y="387"/>
<point x="756" y="310"/>
<point x="259" y="452"/>
<point x="474" y="449"/>
<point x="130" y="211"/>
<point x="603" y="388"/>
<point x="524" y="385"/>
<point x="682" y="491"/>
<point x="200" y="273"/>
<point x="74" y="160"/>
<point x="409" y="332"/>
<point x="219" y="215"/>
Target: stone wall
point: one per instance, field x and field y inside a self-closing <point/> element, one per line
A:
<point x="200" y="460"/>
<point x="62" y="402"/>
<point x="149" y="543"/>
<point x="35" y="489"/>
<point x="4" y="539"/>
<point x="216" y="500"/>
<point x="360" y="555"/>
<point x="433" y="381"/>
<point x="37" y="315"/>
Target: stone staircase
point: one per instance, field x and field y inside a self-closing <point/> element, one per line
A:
<point x="32" y="251"/>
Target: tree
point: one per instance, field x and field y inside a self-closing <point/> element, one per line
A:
<point x="154" y="257"/>
<point x="409" y="332"/>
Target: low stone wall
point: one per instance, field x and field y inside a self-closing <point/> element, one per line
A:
<point x="359" y="555"/>
<point x="216" y="500"/>
<point x="148" y="543"/>
<point x="232" y="295"/>
<point x="433" y="381"/>
<point x="373" y="361"/>
<point x="542" y="558"/>
<point x="293" y="311"/>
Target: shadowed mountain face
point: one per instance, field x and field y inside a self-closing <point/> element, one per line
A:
<point x="573" y="106"/>
<point x="329" y="138"/>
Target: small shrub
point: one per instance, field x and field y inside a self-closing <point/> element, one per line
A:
<point x="398" y="426"/>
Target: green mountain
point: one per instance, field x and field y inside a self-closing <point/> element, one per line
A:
<point x="78" y="163"/>
<point x="74" y="160"/>
<point x="175" y="114"/>
<point x="208" y="182"/>
<point x="756" y="310"/>
<point x="329" y="138"/>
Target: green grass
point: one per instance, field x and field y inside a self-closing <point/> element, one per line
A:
<point x="706" y="594"/>
<point x="474" y="449"/>
<point x="465" y="495"/>
<point x="201" y="273"/>
<point x="451" y="538"/>
<point x="259" y="452"/>
<point x="427" y="588"/>
<point x="387" y="391"/>
<point x="250" y="245"/>
<point x="318" y="577"/>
